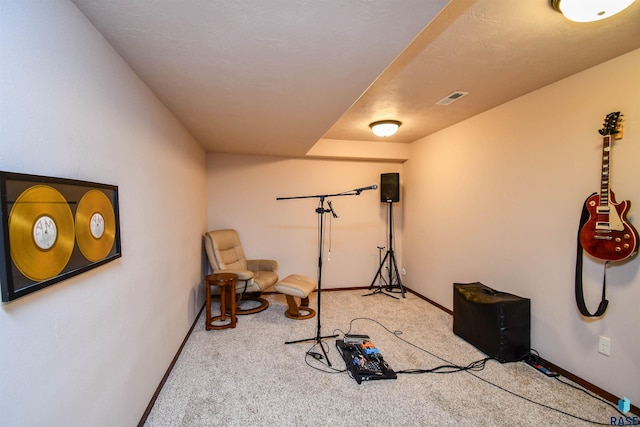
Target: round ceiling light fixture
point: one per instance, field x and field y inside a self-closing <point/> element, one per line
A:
<point x="385" y="127"/>
<point x="589" y="10"/>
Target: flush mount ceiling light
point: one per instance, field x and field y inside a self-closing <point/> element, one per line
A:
<point x="589" y="10"/>
<point x="385" y="127"/>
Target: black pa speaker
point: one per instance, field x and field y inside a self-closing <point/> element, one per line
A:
<point x="390" y="187"/>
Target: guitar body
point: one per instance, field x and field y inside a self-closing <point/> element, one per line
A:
<point x="607" y="235"/>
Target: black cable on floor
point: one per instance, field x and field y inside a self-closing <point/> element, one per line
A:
<point x="311" y="353"/>
<point x="468" y="369"/>
<point x="478" y="365"/>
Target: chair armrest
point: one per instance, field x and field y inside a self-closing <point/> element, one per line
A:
<point x="262" y="264"/>
<point x="242" y="274"/>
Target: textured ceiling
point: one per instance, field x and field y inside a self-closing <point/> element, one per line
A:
<point x="496" y="51"/>
<point x="274" y="77"/>
<point x="259" y="76"/>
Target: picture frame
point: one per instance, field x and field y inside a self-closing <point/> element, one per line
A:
<point x="53" y="229"/>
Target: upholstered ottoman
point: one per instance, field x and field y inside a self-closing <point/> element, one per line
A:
<point x="297" y="286"/>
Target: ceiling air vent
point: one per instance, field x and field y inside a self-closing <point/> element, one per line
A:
<point x="452" y="97"/>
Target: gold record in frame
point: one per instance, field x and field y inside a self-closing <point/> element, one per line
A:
<point x="41" y="232"/>
<point x="95" y="225"/>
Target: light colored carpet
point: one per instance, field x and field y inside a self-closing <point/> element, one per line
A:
<point x="247" y="376"/>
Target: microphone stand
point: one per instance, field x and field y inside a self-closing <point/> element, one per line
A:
<point x="321" y="211"/>
<point x="381" y="278"/>
<point x="392" y="266"/>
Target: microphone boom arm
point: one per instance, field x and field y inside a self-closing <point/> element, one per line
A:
<point x="355" y="192"/>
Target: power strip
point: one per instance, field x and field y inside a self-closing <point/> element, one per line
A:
<point x="538" y="367"/>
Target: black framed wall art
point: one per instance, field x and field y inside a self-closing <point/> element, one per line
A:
<point x="53" y="229"/>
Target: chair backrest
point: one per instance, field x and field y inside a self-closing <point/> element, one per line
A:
<point x="224" y="250"/>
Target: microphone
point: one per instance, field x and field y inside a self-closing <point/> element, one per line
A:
<point x="371" y="187"/>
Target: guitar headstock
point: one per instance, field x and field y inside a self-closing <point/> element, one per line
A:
<point x="612" y="125"/>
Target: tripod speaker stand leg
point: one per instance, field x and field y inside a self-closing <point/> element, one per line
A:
<point x="394" y="264"/>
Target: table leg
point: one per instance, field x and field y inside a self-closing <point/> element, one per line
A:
<point x="208" y="314"/>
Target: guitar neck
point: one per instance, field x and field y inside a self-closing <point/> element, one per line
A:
<point x="605" y="178"/>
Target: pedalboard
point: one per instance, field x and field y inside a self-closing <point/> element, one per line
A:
<point x="363" y="360"/>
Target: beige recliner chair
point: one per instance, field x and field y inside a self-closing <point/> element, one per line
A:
<point x="226" y="255"/>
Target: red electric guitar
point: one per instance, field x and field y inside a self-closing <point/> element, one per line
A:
<point x="607" y="235"/>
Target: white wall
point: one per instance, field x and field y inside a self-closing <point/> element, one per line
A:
<point x="242" y="195"/>
<point x="497" y="199"/>
<point x="92" y="349"/>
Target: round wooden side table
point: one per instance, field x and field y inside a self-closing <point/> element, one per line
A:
<point x="227" y="284"/>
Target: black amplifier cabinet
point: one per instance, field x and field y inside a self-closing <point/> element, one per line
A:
<point x="496" y="323"/>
